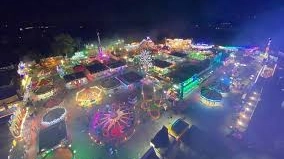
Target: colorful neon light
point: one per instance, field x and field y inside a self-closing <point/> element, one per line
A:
<point x="89" y="96"/>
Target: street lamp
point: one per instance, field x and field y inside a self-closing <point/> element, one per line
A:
<point x="240" y="123"/>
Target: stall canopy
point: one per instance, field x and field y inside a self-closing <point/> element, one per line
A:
<point x="52" y="136"/>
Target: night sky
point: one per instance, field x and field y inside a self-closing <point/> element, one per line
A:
<point x="253" y="21"/>
<point x="132" y="11"/>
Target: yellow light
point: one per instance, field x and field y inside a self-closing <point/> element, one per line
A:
<point x="25" y="81"/>
<point x="14" y="143"/>
<point x="240" y="123"/>
<point x="244" y="116"/>
<point x="89" y="102"/>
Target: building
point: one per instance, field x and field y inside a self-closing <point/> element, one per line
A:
<point x="52" y="136"/>
<point x="150" y="154"/>
<point x="187" y="142"/>
<point x="9" y="97"/>
<point x="178" y="44"/>
<point x="202" y="143"/>
<point x="130" y="79"/>
<point x="75" y="80"/>
<point x="161" y="142"/>
<point x="161" y="66"/>
<point x="185" y="79"/>
<point x="178" y="56"/>
<point x="110" y="85"/>
<point x="178" y="128"/>
<point x="97" y="70"/>
<point x="116" y="65"/>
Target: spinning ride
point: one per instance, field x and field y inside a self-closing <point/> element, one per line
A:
<point x="113" y="124"/>
<point x="89" y="96"/>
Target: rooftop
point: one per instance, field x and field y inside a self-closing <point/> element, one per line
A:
<point x="43" y="89"/>
<point x="185" y="72"/>
<point x="115" y="64"/>
<point x="202" y="142"/>
<point x="150" y="154"/>
<point x="5" y="79"/>
<point x="52" y="135"/>
<point x="161" y="63"/>
<point x="161" y="139"/>
<point x="179" y="54"/>
<point x="6" y="92"/>
<point x="130" y="77"/>
<point x="74" y="76"/>
<point x="179" y="126"/>
<point x="96" y="67"/>
<point x="109" y="83"/>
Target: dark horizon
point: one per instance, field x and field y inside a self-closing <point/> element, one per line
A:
<point x="245" y="23"/>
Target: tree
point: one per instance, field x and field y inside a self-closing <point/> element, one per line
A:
<point x="63" y="44"/>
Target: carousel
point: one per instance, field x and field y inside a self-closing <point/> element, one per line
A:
<point x="113" y="124"/>
<point x="210" y="97"/>
<point x="89" y="96"/>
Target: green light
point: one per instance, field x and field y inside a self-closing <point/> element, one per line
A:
<point x="197" y="56"/>
<point x="188" y="88"/>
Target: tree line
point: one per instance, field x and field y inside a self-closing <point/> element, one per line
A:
<point x="60" y="45"/>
